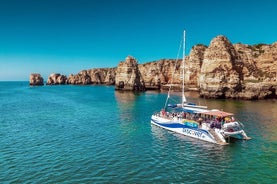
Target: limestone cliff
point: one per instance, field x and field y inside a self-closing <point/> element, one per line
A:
<point x="193" y="64"/>
<point x="128" y="76"/>
<point x="221" y="70"/>
<point x="93" y="76"/>
<point x="158" y="73"/>
<point x="35" y="79"/>
<point x="238" y="71"/>
<point x="56" y="79"/>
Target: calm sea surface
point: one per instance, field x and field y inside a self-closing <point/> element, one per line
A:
<point x="94" y="134"/>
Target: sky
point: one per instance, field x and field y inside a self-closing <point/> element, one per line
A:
<point x="67" y="36"/>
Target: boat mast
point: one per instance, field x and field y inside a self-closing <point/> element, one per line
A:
<point x="183" y="70"/>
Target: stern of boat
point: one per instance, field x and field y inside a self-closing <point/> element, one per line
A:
<point x="234" y="130"/>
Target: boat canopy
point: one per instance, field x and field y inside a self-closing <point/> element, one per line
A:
<point x="188" y="109"/>
<point x="217" y="113"/>
<point x="193" y="110"/>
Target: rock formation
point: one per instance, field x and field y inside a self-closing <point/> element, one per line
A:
<point x="261" y="90"/>
<point x="36" y="80"/>
<point x="93" y="76"/>
<point x="193" y="64"/>
<point x="56" y="79"/>
<point x="128" y="76"/>
<point x="81" y="78"/>
<point x="259" y="71"/>
<point x="102" y="76"/>
<point x="238" y="71"/>
<point x="159" y="73"/>
<point x="221" y="70"/>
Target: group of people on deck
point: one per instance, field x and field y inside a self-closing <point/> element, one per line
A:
<point x="198" y="117"/>
<point x="182" y="115"/>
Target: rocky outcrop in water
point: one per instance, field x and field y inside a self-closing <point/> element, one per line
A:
<point x="238" y="71"/>
<point x="221" y="70"/>
<point x="159" y="73"/>
<point x="128" y="76"/>
<point x="56" y="79"/>
<point x="193" y="65"/>
<point x="35" y="79"/>
<point x="104" y="76"/>
<point x="259" y="61"/>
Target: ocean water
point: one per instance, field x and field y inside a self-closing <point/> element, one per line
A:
<point x="94" y="134"/>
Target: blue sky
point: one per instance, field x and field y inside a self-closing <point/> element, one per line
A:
<point x="66" y="36"/>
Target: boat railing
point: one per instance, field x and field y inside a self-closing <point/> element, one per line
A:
<point x="241" y="124"/>
<point x="165" y="115"/>
<point x="211" y="122"/>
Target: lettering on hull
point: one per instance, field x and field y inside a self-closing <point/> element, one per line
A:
<point x="194" y="133"/>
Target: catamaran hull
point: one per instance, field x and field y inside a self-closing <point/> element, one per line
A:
<point x="237" y="135"/>
<point x="185" y="130"/>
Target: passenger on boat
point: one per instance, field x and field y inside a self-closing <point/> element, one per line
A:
<point x="162" y="112"/>
<point x="226" y="120"/>
<point x="200" y="121"/>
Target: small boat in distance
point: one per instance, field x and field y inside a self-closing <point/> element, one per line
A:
<point x="198" y="121"/>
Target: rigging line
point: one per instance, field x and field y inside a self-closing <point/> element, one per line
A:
<point x="176" y="60"/>
<point x="175" y="64"/>
<point x="183" y="69"/>
<point x="166" y="99"/>
<point x="174" y="100"/>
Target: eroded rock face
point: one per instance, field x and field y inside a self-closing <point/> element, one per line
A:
<point x="36" y="80"/>
<point x="56" y="79"/>
<point x="256" y="91"/>
<point x="266" y="62"/>
<point x="158" y="73"/>
<point x="250" y="70"/>
<point x="94" y="76"/>
<point x="193" y="64"/>
<point x="221" y="71"/>
<point x="82" y="78"/>
<point x="128" y="76"/>
<point x="102" y="76"/>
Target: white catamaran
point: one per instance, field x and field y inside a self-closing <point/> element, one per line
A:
<point x="197" y="121"/>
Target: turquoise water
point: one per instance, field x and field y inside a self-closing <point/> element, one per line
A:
<point x="93" y="134"/>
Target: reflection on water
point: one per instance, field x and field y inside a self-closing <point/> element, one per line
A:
<point x="126" y="105"/>
<point x="125" y="102"/>
<point x="125" y="97"/>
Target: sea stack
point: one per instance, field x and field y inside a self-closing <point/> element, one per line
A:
<point x="56" y="79"/>
<point x="36" y="80"/>
<point x="128" y="76"/>
<point x="221" y="71"/>
<point x="98" y="76"/>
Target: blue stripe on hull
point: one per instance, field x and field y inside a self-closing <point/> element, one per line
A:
<point x="178" y="125"/>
